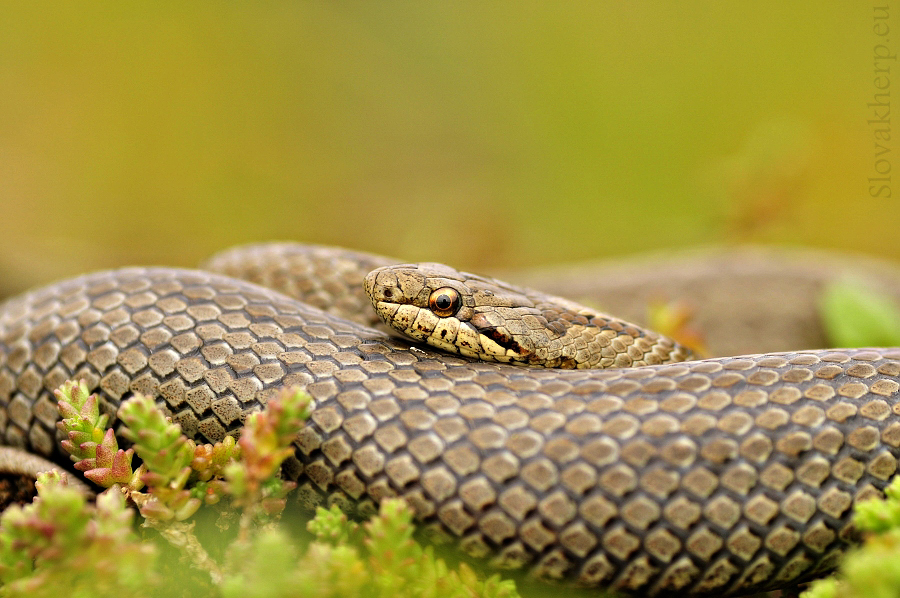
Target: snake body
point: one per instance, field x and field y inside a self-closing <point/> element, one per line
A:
<point x="720" y="476"/>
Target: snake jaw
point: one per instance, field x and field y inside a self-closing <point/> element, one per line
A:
<point x="500" y="340"/>
<point x="450" y="333"/>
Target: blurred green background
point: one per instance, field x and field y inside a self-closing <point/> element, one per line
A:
<point x="485" y="135"/>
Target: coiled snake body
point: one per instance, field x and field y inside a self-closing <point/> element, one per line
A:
<point x="717" y="476"/>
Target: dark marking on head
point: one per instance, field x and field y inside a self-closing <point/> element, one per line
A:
<point x="503" y="340"/>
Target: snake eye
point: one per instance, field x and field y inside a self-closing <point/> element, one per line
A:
<point x="444" y="302"/>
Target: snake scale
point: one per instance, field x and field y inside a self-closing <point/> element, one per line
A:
<point x="719" y="476"/>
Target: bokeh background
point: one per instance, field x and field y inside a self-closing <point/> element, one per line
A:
<point x="486" y="135"/>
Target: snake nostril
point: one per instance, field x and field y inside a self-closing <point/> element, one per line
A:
<point x="388" y="293"/>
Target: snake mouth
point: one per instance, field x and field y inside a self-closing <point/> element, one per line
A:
<point x="386" y="307"/>
<point x="387" y="311"/>
<point x="509" y="344"/>
<point x="499" y="335"/>
<point x="404" y="318"/>
<point x="450" y="334"/>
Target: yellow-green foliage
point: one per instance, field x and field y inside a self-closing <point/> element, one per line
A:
<point x="376" y="560"/>
<point x="855" y="316"/>
<point x="61" y="545"/>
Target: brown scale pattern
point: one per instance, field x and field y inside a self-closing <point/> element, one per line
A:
<point x="325" y="277"/>
<point x="719" y="476"/>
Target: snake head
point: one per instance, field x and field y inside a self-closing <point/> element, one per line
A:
<point x="455" y="311"/>
<point x="491" y="320"/>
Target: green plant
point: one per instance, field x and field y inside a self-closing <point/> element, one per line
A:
<point x="376" y="560"/>
<point x="63" y="541"/>
<point x="855" y="316"/>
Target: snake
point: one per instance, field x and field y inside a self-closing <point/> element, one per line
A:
<point x="661" y="475"/>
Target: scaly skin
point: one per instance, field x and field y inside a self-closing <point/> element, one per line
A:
<point x="720" y="476"/>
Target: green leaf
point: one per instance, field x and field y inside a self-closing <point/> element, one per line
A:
<point x="855" y="316"/>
